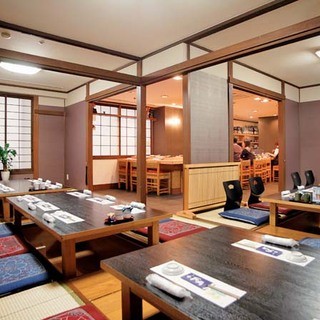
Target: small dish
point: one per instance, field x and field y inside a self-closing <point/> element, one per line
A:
<point x="172" y="269"/>
<point x="296" y="256"/>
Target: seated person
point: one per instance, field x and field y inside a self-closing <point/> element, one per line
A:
<point x="236" y="150"/>
<point x="274" y="155"/>
<point x="246" y="153"/>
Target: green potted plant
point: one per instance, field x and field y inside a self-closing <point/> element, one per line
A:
<point x="6" y="157"/>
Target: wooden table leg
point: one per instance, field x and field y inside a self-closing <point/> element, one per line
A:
<point x="273" y="215"/>
<point x="153" y="234"/>
<point x="6" y="210"/>
<point x="68" y="250"/>
<point x="131" y="304"/>
<point x="17" y="218"/>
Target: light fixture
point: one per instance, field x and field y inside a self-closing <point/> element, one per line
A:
<point x="19" y="68"/>
<point x="254" y="111"/>
<point x="265" y="100"/>
<point x="164" y="96"/>
<point x="317" y="53"/>
<point x="177" y="78"/>
<point x="6" y="35"/>
<point x="257" y="99"/>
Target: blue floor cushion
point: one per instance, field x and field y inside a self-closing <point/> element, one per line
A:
<point x="253" y="216"/>
<point x="311" y="242"/>
<point x="23" y="270"/>
<point x="5" y="230"/>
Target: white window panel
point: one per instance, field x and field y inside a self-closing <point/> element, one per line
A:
<point x="11" y="123"/>
<point x="1" y="135"/>
<point x="25" y="130"/>
<point x="105" y="121"/>
<point x="114" y="151"/>
<point x="105" y="150"/>
<point x="105" y="140"/>
<point x="132" y="150"/>
<point x="124" y="122"/>
<point x="105" y="109"/>
<point x="25" y="165"/>
<point x="25" y="123"/>
<point x="131" y="122"/>
<point x="96" y="151"/>
<point x="25" y="144"/>
<point x="98" y="108"/>
<point x="12" y="137"/>
<point x="1" y="100"/>
<point x="13" y="115"/>
<point x="12" y="101"/>
<point x="97" y="120"/>
<point x="114" y="121"/>
<point x="1" y="114"/>
<point x="131" y="141"/>
<point x="24" y="151"/>
<point x="114" y="131"/>
<point x="114" y="110"/>
<point x="114" y="141"/>
<point x="96" y="131"/>
<point x="25" y="137"/>
<point x="13" y="130"/>
<point x="96" y="140"/>
<point x="148" y="151"/>
<point x="131" y="112"/>
<point x="124" y="151"/>
<point x="14" y="144"/>
<point x="105" y="131"/>
<point x="25" y="158"/>
<point x="25" y="103"/>
<point x="123" y="111"/>
<point x="25" y="116"/>
<point x="132" y="132"/>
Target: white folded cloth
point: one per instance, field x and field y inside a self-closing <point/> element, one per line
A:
<point x="138" y="205"/>
<point x="110" y="198"/>
<point x="47" y="217"/>
<point x="32" y="206"/>
<point x="280" y="241"/>
<point x="168" y="286"/>
<point x="88" y="192"/>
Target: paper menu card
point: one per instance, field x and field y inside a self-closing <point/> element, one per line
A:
<point x="66" y="217"/>
<point x="99" y="200"/>
<point x="78" y="194"/>
<point x="271" y="251"/>
<point x="209" y="288"/>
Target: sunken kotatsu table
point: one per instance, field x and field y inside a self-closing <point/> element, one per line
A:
<point x="78" y="220"/>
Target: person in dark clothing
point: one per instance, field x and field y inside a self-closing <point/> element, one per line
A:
<point x="246" y="153"/>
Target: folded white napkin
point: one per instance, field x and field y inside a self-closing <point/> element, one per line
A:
<point x="47" y="217"/>
<point x="280" y="241"/>
<point x="168" y="286"/>
<point x="138" y="205"/>
<point x="110" y="198"/>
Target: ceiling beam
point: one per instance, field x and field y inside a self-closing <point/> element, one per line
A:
<point x="67" y="67"/>
<point x="281" y="37"/>
<point x="72" y="42"/>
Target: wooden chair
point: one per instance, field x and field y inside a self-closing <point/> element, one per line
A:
<point x="133" y="175"/>
<point x="245" y="169"/>
<point x="157" y="180"/>
<point x="268" y="174"/>
<point x="258" y="168"/>
<point x="275" y="173"/>
<point x="123" y="173"/>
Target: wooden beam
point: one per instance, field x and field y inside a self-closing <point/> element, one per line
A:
<point x="294" y="33"/>
<point x="68" y="67"/>
<point x="72" y="42"/>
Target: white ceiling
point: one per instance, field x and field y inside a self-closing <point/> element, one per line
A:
<point x="139" y="27"/>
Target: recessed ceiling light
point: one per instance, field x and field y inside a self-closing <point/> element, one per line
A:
<point x="265" y="100"/>
<point x="251" y="117"/>
<point x="164" y="96"/>
<point x="19" y="68"/>
<point x="257" y="99"/>
<point x="5" y="35"/>
<point x="317" y="53"/>
<point x="177" y="78"/>
<point x="255" y="111"/>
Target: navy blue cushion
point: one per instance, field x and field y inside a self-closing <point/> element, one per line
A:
<point x="5" y="230"/>
<point x="311" y="242"/>
<point x="253" y="216"/>
<point x="21" y="271"/>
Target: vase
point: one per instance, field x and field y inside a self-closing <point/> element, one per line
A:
<point x="5" y="175"/>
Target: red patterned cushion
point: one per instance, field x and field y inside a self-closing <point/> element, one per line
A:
<point x="10" y="246"/>
<point x="173" y="229"/>
<point x="265" y="206"/>
<point x="80" y="313"/>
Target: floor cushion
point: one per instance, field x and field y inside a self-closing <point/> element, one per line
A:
<point x="11" y="245"/>
<point x="249" y="215"/>
<point x="266" y="207"/>
<point x="20" y="271"/>
<point x="5" y="229"/>
<point x="80" y="313"/>
<point x="311" y="242"/>
<point x="170" y="229"/>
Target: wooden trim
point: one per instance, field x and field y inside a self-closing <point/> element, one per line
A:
<point x="35" y="137"/>
<point x="310" y="86"/>
<point x="89" y="155"/>
<point x="282" y="145"/>
<point x="71" y="42"/>
<point x="68" y="67"/>
<point x="141" y="144"/>
<point x="104" y="186"/>
<point x="239" y="84"/>
<point x="230" y="118"/>
<point x="200" y="47"/>
<point x="32" y="88"/>
<point x="109" y="92"/>
<point x="186" y="112"/>
<point x="50" y="113"/>
<point x="293" y="33"/>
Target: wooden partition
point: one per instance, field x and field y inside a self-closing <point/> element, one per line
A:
<point x="203" y="187"/>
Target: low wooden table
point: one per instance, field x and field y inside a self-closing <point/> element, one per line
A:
<point x="92" y="227"/>
<point x="21" y="187"/>
<point x="275" y="289"/>
<point x="276" y="201"/>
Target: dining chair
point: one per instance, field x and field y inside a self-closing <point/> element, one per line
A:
<point x="234" y="194"/>
<point x="309" y="177"/>
<point x="296" y="179"/>
<point x="157" y="180"/>
<point x="123" y="173"/>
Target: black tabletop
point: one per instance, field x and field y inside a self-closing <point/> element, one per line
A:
<point x="275" y="289"/>
<point x="94" y="214"/>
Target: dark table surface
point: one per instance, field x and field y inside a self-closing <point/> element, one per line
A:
<point x="275" y="289"/>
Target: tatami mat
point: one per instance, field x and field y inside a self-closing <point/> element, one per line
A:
<point x="197" y="222"/>
<point x="214" y="217"/>
<point x="38" y="303"/>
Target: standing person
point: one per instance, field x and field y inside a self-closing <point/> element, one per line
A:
<point x="246" y="153"/>
<point x="236" y="150"/>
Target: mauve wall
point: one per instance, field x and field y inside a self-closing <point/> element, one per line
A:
<point x="51" y="145"/>
<point x="75" y="138"/>
<point x="292" y="136"/>
<point x="309" y="113"/>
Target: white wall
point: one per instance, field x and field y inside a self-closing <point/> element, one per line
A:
<point x="105" y="171"/>
<point x="310" y="94"/>
<point x="76" y="96"/>
<point x="292" y="93"/>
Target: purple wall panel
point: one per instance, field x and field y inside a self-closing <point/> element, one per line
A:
<point x="291" y="131"/>
<point x="51" y="145"/>
<point x="309" y="113"/>
<point x="76" y="137"/>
